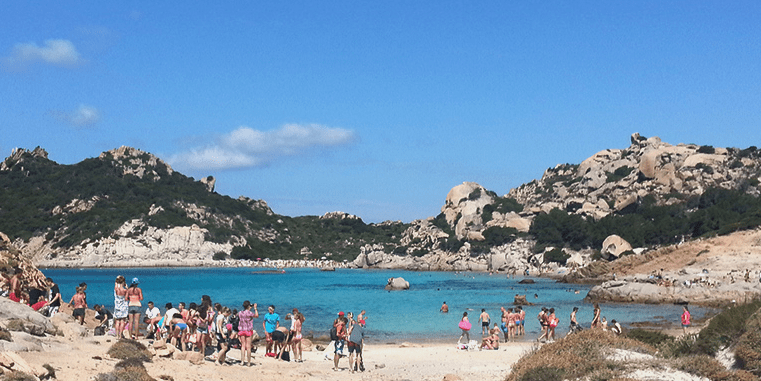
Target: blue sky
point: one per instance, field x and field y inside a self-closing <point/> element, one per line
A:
<point x="375" y="108"/>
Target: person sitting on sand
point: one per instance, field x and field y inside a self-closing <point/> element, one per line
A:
<point x="444" y="308"/>
<point x="15" y="286"/>
<point x="615" y="327"/>
<point x="152" y="317"/>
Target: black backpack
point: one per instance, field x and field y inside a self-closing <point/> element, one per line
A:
<point x="334" y="333"/>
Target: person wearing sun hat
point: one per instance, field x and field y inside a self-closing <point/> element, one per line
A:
<point x="134" y="296"/>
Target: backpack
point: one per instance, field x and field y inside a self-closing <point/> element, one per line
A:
<point x="334" y="334"/>
<point x="100" y="330"/>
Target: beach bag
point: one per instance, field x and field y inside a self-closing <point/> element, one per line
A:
<point x="100" y="330"/>
<point x="285" y="356"/>
<point x="554" y="323"/>
<point x="334" y="334"/>
<point x="464" y="324"/>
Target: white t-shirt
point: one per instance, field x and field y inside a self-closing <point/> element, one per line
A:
<point x="152" y="312"/>
<point x="169" y="313"/>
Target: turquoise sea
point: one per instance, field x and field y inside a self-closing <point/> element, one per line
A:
<point x="396" y="316"/>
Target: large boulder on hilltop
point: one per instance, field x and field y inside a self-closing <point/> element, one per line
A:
<point x="704" y="159"/>
<point x="463" y="208"/>
<point x="397" y="284"/>
<point x="614" y="246"/>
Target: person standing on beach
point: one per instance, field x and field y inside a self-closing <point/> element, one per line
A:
<point x="596" y="323"/>
<point x="121" y="310"/>
<point x="134" y="295"/>
<point x="355" y="343"/>
<point x="485" y="319"/>
<point x="54" y="296"/>
<point x="340" y="325"/>
<point x="79" y="303"/>
<point x="444" y="308"/>
<point x="685" y="319"/>
<point x="465" y="327"/>
<point x="246" y="331"/>
<point x="270" y="324"/>
<point x="520" y="324"/>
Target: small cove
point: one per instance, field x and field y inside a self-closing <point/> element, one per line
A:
<point x="393" y="316"/>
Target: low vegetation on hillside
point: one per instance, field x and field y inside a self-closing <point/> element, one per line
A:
<point x="716" y="211"/>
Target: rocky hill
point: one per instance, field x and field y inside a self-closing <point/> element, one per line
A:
<point x="650" y="193"/>
<point x="127" y="206"/>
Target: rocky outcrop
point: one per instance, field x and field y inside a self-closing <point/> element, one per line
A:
<point x="18" y="155"/>
<point x="680" y="290"/>
<point x="463" y="208"/>
<point x="397" y="284"/>
<point x="614" y="246"/>
<point x="614" y="179"/>
<point x="132" y="161"/>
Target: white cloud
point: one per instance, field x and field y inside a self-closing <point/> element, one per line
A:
<point x="247" y="147"/>
<point x="54" y="52"/>
<point x="83" y="116"/>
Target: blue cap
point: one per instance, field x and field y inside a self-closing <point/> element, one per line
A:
<point x="135" y="281"/>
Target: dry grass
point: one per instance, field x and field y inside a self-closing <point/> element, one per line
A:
<point x="576" y="356"/>
<point x="129" y="349"/>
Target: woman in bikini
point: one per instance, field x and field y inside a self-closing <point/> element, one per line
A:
<point x="121" y="310"/>
<point x="511" y="317"/>
<point x="134" y="295"/>
<point x="246" y="330"/>
<point x="296" y="321"/>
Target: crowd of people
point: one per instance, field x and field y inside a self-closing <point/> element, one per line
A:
<point x="513" y="325"/>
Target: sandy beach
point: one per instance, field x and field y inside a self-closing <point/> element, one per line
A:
<point x="76" y="360"/>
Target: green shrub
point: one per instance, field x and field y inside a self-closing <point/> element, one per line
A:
<point x="653" y="338"/>
<point x="619" y="173"/>
<point x="707" y="149"/>
<point x="725" y="327"/>
<point x="219" y="256"/>
<point x="556" y="255"/>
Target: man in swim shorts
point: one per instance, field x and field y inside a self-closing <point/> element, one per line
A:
<point x="485" y="320"/>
